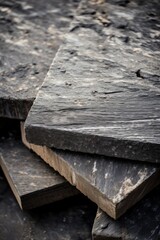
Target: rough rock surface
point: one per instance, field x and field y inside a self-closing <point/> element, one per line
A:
<point x="30" y="35"/>
<point x="102" y="92"/>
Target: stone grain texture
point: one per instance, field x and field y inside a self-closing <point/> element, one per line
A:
<point x="66" y="220"/>
<point x="102" y="92"/>
<point x="140" y="223"/>
<point x="30" y="35"/>
<point x="112" y="184"/>
<point x="32" y="181"/>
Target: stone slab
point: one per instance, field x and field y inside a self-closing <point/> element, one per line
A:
<point x="141" y="222"/>
<point x="32" y="181"/>
<point x="112" y="184"/>
<point x="30" y="35"/>
<point x="102" y="93"/>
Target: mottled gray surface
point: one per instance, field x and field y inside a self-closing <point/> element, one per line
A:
<point x="112" y="184"/>
<point x="66" y="220"/>
<point x="102" y="92"/>
<point x="33" y="182"/>
<point x="142" y="222"/>
<point x="30" y="35"/>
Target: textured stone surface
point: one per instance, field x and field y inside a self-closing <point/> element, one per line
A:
<point x="30" y="35"/>
<point x="142" y="222"/>
<point x="114" y="185"/>
<point x="67" y="220"/>
<point x="33" y="182"/>
<point x="102" y="92"/>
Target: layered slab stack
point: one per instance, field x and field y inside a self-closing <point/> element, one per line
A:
<point x="95" y="119"/>
<point x="95" y="100"/>
<point x="28" y="44"/>
<point x="114" y="185"/>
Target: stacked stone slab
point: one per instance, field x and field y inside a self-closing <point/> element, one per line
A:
<point x="101" y="96"/>
<point x="98" y="110"/>
<point x="112" y="184"/>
